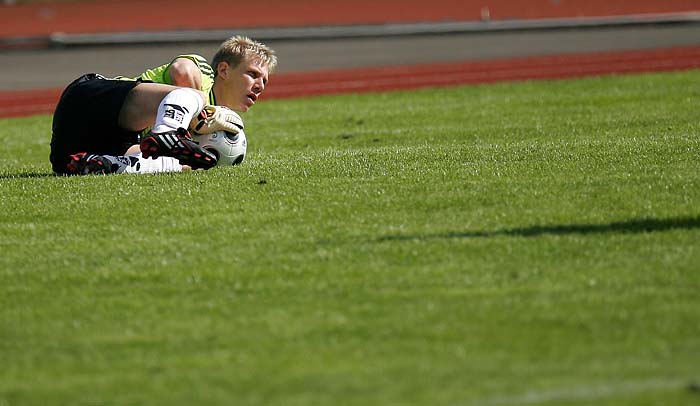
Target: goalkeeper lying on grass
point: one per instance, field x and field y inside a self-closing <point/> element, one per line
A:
<point x="99" y="123"/>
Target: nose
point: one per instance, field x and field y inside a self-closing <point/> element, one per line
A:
<point x="258" y="86"/>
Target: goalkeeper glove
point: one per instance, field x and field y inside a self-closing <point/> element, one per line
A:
<point x="216" y="118"/>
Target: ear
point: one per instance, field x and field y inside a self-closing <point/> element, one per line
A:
<point x="222" y="69"/>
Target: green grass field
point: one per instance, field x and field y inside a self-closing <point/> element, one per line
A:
<point x="511" y="244"/>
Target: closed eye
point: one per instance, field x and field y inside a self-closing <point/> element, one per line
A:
<point x="256" y="74"/>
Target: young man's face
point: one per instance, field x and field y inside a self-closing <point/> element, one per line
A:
<point x="239" y="87"/>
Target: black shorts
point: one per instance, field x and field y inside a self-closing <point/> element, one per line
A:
<point x="87" y="120"/>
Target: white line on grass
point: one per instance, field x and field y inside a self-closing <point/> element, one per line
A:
<point x="586" y="393"/>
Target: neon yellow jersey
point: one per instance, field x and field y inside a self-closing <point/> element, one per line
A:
<point x="161" y="74"/>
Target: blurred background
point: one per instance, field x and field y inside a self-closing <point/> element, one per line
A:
<point x="44" y="44"/>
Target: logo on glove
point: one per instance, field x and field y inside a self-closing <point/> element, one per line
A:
<point x="216" y="118"/>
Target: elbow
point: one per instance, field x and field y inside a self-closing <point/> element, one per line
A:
<point x="185" y="76"/>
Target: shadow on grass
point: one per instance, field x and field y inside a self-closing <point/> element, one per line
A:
<point x="28" y="175"/>
<point x="622" y="227"/>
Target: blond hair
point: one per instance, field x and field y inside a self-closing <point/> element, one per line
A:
<point x="235" y="49"/>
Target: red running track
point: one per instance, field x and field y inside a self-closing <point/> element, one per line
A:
<point x="98" y="16"/>
<point x="24" y="103"/>
<point x="448" y="74"/>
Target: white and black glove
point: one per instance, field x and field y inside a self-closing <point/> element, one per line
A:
<point x="216" y="118"/>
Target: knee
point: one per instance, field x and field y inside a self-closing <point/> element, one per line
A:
<point x="59" y="163"/>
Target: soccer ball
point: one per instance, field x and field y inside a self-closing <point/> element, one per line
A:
<point x="229" y="148"/>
